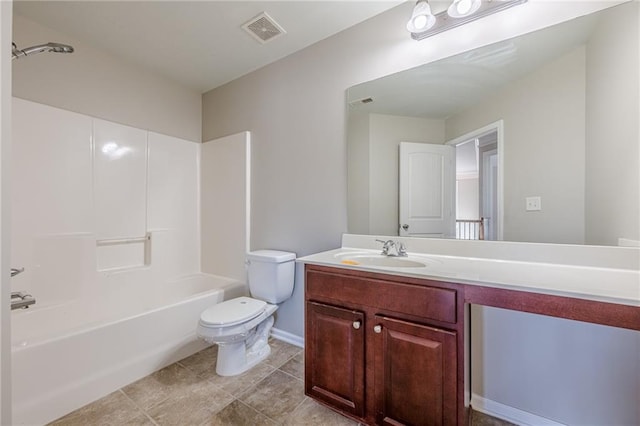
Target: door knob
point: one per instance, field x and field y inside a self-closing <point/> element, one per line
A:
<point x="356" y="325"/>
<point x="405" y="226"/>
<point x="377" y="329"/>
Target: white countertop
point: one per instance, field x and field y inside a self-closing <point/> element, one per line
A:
<point x="608" y="274"/>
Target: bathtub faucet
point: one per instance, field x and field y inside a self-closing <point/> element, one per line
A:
<point x="20" y="300"/>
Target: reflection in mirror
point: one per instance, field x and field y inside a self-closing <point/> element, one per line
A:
<point x="568" y="99"/>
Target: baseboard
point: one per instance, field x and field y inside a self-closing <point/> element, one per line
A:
<point x="287" y="337"/>
<point x="508" y="413"/>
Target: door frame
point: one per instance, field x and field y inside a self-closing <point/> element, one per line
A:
<point x="498" y="127"/>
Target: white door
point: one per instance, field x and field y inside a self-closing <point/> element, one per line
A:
<point x="427" y="190"/>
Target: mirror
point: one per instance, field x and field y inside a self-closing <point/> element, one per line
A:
<point x="567" y="98"/>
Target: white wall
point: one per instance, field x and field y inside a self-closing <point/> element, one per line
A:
<point x="467" y="198"/>
<point x="538" y="156"/>
<point x="224" y="205"/>
<point x="6" y="8"/>
<point x="358" y="173"/>
<point x="94" y="83"/>
<point x="570" y="372"/>
<point x="612" y="148"/>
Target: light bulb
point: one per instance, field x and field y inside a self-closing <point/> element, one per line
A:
<point x="421" y="19"/>
<point x="420" y="22"/>
<point x="461" y="8"/>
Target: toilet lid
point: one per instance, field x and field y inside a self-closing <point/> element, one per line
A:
<point x="231" y="312"/>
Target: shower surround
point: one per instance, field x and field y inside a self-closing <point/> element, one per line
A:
<point x="106" y="223"/>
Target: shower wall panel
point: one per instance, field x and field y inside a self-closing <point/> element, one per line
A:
<point x="78" y="180"/>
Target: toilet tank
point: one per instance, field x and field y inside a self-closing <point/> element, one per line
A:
<point x="271" y="274"/>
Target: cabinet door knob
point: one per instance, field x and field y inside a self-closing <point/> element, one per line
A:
<point x="356" y="325"/>
<point x="377" y="329"/>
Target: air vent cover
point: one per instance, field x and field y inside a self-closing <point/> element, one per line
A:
<point x="263" y="28"/>
<point x="359" y="102"/>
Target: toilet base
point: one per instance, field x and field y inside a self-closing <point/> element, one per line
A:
<point x="237" y="357"/>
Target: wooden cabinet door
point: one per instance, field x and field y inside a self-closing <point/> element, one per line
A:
<point x="415" y="373"/>
<point x="334" y="357"/>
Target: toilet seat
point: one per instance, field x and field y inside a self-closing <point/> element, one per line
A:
<point x="232" y="312"/>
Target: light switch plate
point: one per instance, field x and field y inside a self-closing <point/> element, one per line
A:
<point x="533" y="204"/>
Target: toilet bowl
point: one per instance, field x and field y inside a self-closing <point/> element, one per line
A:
<point x="241" y="326"/>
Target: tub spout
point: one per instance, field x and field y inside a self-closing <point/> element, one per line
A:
<point x="20" y="300"/>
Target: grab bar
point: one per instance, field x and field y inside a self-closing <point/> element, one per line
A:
<point x="117" y="241"/>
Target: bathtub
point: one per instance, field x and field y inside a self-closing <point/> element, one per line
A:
<point x="65" y="355"/>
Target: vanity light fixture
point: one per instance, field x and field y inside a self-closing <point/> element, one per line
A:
<point x="459" y="13"/>
<point x="421" y="19"/>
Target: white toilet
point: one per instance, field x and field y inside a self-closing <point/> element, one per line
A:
<point x="241" y="326"/>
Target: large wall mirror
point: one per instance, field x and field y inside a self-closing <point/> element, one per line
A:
<point x="544" y="128"/>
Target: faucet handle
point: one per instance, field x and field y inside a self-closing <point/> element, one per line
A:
<point x="402" y="250"/>
<point x="386" y="245"/>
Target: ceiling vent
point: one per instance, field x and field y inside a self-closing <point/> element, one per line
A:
<point x="263" y="28"/>
<point x="358" y="102"/>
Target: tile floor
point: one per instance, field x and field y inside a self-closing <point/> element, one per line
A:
<point x="190" y="393"/>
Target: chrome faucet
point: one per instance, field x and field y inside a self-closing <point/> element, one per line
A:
<point x="20" y="300"/>
<point x="393" y="248"/>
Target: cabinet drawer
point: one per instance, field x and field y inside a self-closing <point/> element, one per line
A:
<point x="422" y="301"/>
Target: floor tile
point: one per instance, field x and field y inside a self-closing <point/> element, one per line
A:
<point x="312" y="413"/>
<point x="191" y="407"/>
<point x="202" y="363"/>
<point x="114" y="408"/>
<point x="157" y="387"/>
<point x="236" y="385"/>
<point x="276" y="396"/>
<point x="295" y="366"/>
<point x="281" y="352"/>
<point x="191" y="393"/>
<point x="236" y="414"/>
<point x="146" y="392"/>
<point x="141" y="420"/>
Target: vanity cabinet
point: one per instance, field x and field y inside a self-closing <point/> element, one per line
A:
<point x="335" y="339"/>
<point x="383" y="349"/>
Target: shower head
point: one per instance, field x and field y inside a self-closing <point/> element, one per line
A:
<point x="49" y="47"/>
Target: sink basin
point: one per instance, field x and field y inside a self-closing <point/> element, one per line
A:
<point x="380" y="260"/>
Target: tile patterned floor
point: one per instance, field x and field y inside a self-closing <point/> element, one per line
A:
<point x="189" y="392"/>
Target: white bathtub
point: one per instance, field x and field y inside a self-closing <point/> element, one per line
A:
<point x="67" y="355"/>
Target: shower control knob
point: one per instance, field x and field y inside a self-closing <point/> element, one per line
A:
<point x="377" y="329"/>
<point x="356" y="325"/>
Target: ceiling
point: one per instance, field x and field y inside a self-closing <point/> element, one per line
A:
<point x="447" y="87"/>
<point x="198" y="44"/>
